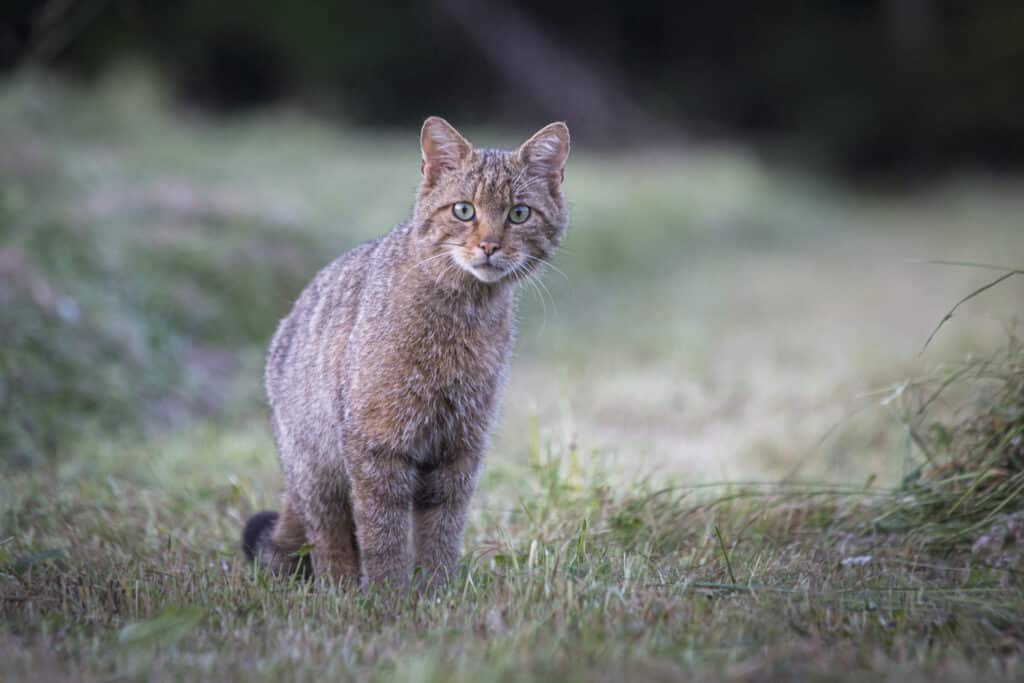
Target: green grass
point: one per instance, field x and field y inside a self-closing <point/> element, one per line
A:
<point x="568" y="576"/>
<point x="713" y="321"/>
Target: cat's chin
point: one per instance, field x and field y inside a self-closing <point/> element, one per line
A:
<point x="488" y="273"/>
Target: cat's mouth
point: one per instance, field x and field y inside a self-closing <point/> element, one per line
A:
<point x="487" y="269"/>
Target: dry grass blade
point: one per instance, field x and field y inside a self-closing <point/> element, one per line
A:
<point x="1010" y="272"/>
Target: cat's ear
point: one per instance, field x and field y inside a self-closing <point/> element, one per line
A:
<point x="547" y="150"/>
<point x="443" y="148"/>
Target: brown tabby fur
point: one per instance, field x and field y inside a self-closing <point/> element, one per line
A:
<point x="385" y="377"/>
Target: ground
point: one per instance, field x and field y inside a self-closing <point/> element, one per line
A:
<point x="706" y="462"/>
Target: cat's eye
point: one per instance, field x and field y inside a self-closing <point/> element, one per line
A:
<point x="519" y="213"/>
<point x="464" y="211"/>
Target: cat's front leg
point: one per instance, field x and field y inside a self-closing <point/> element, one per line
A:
<point x="440" y="504"/>
<point x="382" y="493"/>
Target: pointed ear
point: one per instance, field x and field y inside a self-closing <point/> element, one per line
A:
<point x="547" y="150"/>
<point x="442" y="147"/>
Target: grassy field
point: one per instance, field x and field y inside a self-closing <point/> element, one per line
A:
<point x="721" y="456"/>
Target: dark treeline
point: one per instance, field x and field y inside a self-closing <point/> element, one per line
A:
<point x="890" y="85"/>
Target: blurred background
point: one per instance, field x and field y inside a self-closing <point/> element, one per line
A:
<point x="753" y="192"/>
<point x="864" y="87"/>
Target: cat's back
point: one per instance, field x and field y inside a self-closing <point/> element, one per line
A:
<point x="310" y="340"/>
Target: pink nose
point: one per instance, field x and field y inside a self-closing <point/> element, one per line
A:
<point x="489" y="247"/>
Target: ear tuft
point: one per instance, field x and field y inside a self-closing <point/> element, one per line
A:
<point x="443" y="148"/>
<point x="547" y="149"/>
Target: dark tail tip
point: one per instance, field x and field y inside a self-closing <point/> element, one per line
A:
<point x="257" y="532"/>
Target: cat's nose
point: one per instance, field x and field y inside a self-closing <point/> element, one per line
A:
<point x="489" y="247"/>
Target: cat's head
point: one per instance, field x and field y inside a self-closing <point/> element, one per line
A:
<point x="498" y="214"/>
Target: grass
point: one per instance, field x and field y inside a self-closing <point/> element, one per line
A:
<point x="970" y="472"/>
<point x="717" y="322"/>
<point x="566" y="577"/>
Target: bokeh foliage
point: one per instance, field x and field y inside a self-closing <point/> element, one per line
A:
<point x="868" y="86"/>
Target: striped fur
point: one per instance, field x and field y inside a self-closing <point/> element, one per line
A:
<point x="384" y="378"/>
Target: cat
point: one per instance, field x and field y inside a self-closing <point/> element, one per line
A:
<point x="384" y="379"/>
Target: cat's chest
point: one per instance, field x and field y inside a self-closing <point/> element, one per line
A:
<point x="451" y="362"/>
<point x="430" y="384"/>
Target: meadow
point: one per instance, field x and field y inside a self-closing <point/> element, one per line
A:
<point x="723" y="454"/>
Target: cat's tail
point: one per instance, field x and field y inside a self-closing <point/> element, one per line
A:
<point x="258" y="535"/>
<point x="265" y="545"/>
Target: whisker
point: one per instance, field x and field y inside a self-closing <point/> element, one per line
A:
<point x="540" y="293"/>
<point x="413" y="267"/>
<point x="540" y="284"/>
<point x="444" y="272"/>
<point x="550" y="265"/>
<point x="523" y="275"/>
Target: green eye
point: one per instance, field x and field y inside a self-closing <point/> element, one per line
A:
<point x="464" y="211"/>
<point x="519" y="213"/>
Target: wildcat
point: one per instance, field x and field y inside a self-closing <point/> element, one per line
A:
<point x="385" y="377"/>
